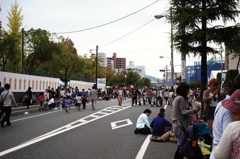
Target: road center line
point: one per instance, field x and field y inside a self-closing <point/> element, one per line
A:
<point x="143" y="149"/>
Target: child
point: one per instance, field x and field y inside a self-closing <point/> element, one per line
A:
<point x="78" y="101"/>
<point x="66" y="103"/>
<point x="41" y="99"/>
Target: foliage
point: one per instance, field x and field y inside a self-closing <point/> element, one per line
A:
<point x="39" y="48"/>
<point x="231" y="74"/>
<point x="194" y="84"/>
<point x="194" y="19"/>
<point x="8" y="48"/>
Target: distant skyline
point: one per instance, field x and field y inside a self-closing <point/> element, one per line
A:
<point x="138" y="43"/>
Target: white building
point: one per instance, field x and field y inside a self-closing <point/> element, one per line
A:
<point x="139" y="69"/>
<point x="104" y="59"/>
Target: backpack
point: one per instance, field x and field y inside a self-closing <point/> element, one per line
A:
<point x="188" y="142"/>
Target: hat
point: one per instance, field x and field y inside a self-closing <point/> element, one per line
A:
<point x="237" y="80"/>
<point x="233" y="103"/>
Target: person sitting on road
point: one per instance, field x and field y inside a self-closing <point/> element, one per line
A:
<point x="34" y="98"/>
<point x="158" y="125"/>
<point x="143" y="125"/>
<point x="52" y="103"/>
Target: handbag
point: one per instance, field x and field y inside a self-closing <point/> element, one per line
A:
<point x="1" y="104"/>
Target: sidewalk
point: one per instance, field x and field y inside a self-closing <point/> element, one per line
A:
<point x="22" y="108"/>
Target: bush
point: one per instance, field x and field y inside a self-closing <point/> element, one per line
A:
<point x="194" y="84"/>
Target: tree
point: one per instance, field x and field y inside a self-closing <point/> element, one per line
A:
<point x="10" y="40"/>
<point x="7" y="48"/>
<point x="39" y="48"/>
<point x="196" y="30"/>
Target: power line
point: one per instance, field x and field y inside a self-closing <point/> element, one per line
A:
<point x="128" y="33"/>
<point x="109" y="22"/>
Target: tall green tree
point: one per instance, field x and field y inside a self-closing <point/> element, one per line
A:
<point x="195" y="20"/>
<point x="39" y="48"/>
<point x="10" y="40"/>
<point x="8" y="48"/>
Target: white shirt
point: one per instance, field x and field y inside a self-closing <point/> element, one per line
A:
<point x="120" y="92"/>
<point x="142" y="120"/>
<point x="51" y="101"/>
<point x="78" y="99"/>
<point x="221" y="120"/>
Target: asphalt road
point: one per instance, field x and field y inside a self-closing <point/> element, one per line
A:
<point x="104" y="133"/>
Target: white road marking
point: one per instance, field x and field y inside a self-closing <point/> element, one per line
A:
<point x="62" y="129"/>
<point x="34" y="116"/>
<point x="114" y="124"/>
<point x="143" y="149"/>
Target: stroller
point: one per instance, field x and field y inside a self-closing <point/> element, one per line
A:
<point x="193" y="142"/>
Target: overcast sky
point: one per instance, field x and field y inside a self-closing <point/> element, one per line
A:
<point x="144" y="46"/>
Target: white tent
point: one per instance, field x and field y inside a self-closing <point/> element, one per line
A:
<point x="214" y="73"/>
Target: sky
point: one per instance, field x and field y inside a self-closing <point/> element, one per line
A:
<point x="143" y="46"/>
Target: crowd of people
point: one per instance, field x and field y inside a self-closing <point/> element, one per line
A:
<point x="221" y="110"/>
<point x="221" y="113"/>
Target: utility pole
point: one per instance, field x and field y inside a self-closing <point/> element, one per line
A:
<point x="22" y="52"/>
<point x="96" y="66"/>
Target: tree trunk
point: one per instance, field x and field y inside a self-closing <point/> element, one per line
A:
<point x="204" y="56"/>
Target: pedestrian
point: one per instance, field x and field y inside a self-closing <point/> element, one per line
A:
<point x="8" y="100"/>
<point x="150" y="95"/>
<point x="84" y="98"/>
<point x="78" y="101"/>
<point x="166" y="96"/>
<point x="143" y="125"/>
<point x="181" y="114"/>
<point x="223" y="116"/>
<point x="46" y="99"/>
<point x="93" y="95"/>
<point x="120" y="96"/>
<point x="228" y="146"/>
<point x="41" y="99"/>
<point x="134" y="94"/>
<point x="211" y="97"/>
<point x="66" y="103"/>
<point x="28" y="97"/>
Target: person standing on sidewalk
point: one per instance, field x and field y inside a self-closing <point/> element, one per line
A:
<point x="8" y="98"/>
<point x="28" y="97"/>
<point x="93" y="96"/>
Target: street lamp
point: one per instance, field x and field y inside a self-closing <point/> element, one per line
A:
<point x="172" y="70"/>
<point x="172" y="67"/>
<point x="96" y="65"/>
<point x="221" y="50"/>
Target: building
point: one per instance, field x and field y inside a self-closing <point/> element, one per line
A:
<point x="116" y="63"/>
<point x="138" y="69"/>
<point x="104" y="59"/>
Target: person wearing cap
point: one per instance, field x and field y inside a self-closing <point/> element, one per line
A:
<point x="143" y="125"/>
<point x="223" y="116"/>
<point x="229" y="144"/>
<point x="211" y="97"/>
